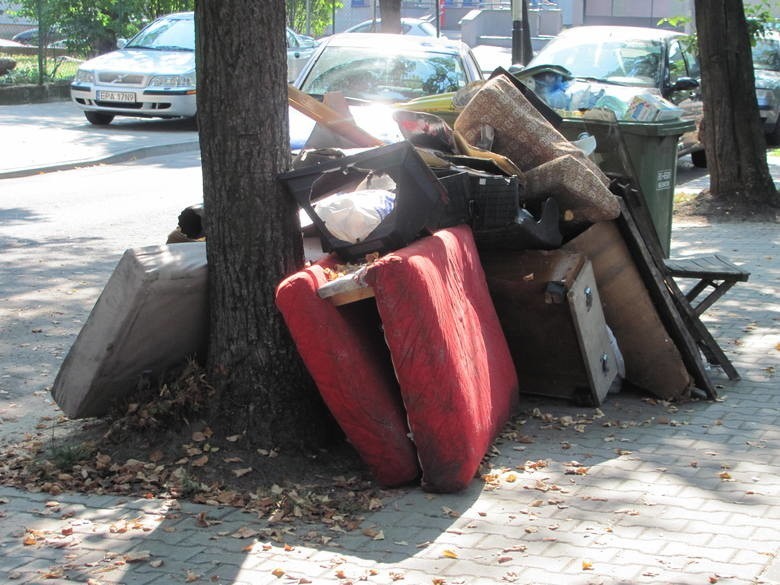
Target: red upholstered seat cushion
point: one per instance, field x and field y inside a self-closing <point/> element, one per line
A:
<point x="343" y="350"/>
<point x="458" y="382"/>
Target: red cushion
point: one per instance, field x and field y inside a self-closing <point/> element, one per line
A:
<point x="343" y="350"/>
<point x="457" y="378"/>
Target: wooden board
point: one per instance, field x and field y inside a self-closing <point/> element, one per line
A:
<point x="598" y="355"/>
<point x="530" y="291"/>
<point x="637" y="229"/>
<point x="653" y="362"/>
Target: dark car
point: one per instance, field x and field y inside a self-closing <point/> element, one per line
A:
<point x="766" y="66"/>
<point x="610" y="65"/>
<point x="30" y="37"/>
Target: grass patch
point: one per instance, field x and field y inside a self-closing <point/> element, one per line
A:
<point x="62" y="68"/>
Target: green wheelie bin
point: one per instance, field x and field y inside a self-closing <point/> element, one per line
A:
<point x="651" y="150"/>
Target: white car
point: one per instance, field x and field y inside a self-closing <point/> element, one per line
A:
<point x="374" y="70"/>
<point x="380" y="67"/>
<point x="153" y="74"/>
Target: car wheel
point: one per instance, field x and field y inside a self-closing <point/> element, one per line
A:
<point x="699" y="159"/>
<point x="98" y="118"/>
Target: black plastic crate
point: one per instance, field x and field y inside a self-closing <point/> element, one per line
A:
<point x="457" y="211"/>
<point x="495" y="200"/>
<point x="419" y="196"/>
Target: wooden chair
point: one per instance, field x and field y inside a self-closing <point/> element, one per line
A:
<point x="714" y="272"/>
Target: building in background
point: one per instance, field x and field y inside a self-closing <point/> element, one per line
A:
<point x="10" y="24"/>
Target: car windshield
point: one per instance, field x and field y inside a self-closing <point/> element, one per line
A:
<point x="166" y="34"/>
<point x="624" y="62"/>
<point x="378" y="74"/>
<point x="766" y="54"/>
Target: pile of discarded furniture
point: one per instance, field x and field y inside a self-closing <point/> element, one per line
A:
<point x="465" y="266"/>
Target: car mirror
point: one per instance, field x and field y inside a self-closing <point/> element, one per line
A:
<point x="685" y="84"/>
<point x="120" y="43"/>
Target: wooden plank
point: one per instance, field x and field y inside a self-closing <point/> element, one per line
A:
<point x="653" y="363"/>
<point x="330" y="118"/>
<point x="711" y="267"/>
<point x="598" y="354"/>
<point x="664" y="292"/>
<point x="352" y="296"/>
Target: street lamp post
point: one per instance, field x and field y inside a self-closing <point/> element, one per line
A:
<point x="517" y="31"/>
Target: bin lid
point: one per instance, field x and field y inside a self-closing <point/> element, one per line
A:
<point x="665" y="128"/>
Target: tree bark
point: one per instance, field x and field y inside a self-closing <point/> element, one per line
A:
<point x="733" y="136"/>
<point x="390" y="12"/>
<point x="253" y="232"/>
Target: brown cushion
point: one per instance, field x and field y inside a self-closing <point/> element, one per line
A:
<point x="575" y="188"/>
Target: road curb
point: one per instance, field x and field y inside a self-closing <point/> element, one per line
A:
<point x="120" y="157"/>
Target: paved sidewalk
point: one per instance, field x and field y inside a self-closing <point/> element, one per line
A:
<point x="636" y="492"/>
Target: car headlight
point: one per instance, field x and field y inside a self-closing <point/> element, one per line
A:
<point x="84" y="76"/>
<point x="765" y="98"/>
<point x="172" y="81"/>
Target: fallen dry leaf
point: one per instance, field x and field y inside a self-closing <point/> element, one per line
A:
<point x="242" y="471"/>
<point x="244" y="532"/>
<point x="587" y="565"/>
<point x="138" y="556"/>
<point x="191" y="577"/>
<point x="200" y="461"/>
<point x="450" y="554"/>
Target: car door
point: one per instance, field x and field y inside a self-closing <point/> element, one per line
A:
<point x="682" y="87"/>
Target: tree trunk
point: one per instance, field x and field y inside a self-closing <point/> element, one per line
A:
<point x="390" y="12"/>
<point x="733" y="135"/>
<point x="253" y="231"/>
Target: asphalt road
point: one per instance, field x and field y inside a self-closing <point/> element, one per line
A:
<point x="61" y="235"/>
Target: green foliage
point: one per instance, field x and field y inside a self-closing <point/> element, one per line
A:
<point x="759" y="20"/>
<point x="64" y="457"/>
<point x="92" y="27"/>
<point x="320" y="15"/>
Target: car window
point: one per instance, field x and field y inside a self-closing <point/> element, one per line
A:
<point x="426" y="29"/>
<point x="634" y="62"/>
<point x="166" y="34"/>
<point x="292" y="41"/>
<point x="363" y="73"/>
<point x="766" y="55"/>
<point x="682" y="62"/>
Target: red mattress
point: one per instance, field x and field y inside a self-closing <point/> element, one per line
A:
<point x="457" y="379"/>
<point x="454" y="384"/>
<point x="343" y="350"/>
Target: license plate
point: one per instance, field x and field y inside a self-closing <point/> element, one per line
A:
<point x="116" y="96"/>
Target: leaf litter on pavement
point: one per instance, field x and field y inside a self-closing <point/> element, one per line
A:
<point x="311" y="499"/>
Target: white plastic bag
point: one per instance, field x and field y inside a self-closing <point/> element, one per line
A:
<point x="354" y="215"/>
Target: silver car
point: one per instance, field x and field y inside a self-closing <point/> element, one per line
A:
<point x="378" y="67"/>
<point x="153" y="74"/>
<point x="409" y="26"/>
<point x="612" y="64"/>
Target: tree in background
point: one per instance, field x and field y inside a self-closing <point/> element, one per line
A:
<point x="92" y="27"/>
<point x="390" y="10"/>
<point x="319" y="19"/>
<point x="732" y="133"/>
<point x="254" y="237"/>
